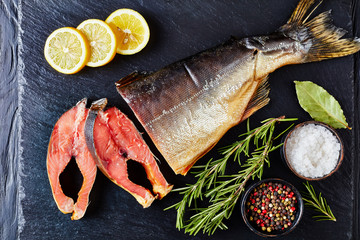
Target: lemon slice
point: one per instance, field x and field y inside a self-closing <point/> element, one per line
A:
<point x="131" y="30"/>
<point x="102" y="41"/>
<point x="67" y="50"/>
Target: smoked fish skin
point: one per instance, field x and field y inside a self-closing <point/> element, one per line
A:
<point x="189" y="105"/>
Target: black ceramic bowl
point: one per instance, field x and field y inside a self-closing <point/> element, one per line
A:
<point x="252" y="225"/>
<point x="285" y="159"/>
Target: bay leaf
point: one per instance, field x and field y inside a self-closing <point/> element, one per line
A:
<point x="321" y="105"/>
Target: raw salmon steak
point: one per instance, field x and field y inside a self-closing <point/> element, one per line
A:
<point x="189" y="105"/>
<point x="113" y="140"/>
<point x="68" y="140"/>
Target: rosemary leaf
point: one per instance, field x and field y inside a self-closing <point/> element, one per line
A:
<point x="318" y="203"/>
<point x="222" y="191"/>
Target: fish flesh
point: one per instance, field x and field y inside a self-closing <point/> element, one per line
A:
<point x="106" y="139"/>
<point x="68" y="140"/>
<point x="188" y="106"/>
<point x="113" y="140"/>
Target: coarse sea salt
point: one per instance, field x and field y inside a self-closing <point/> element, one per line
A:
<point x="312" y="150"/>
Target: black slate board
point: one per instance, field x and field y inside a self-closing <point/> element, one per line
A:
<point x="33" y="96"/>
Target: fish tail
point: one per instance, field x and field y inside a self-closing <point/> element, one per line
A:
<point x="319" y="38"/>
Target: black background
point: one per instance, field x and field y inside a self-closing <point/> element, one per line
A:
<point x="33" y="96"/>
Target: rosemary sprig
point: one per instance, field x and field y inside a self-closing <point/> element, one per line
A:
<point x="318" y="203"/>
<point x="223" y="191"/>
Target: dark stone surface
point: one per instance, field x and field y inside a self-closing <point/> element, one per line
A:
<point x="9" y="120"/>
<point x="33" y="98"/>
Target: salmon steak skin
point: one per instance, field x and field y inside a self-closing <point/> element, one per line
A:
<point x="68" y="140"/>
<point x="188" y="106"/>
<point x="113" y="140"/>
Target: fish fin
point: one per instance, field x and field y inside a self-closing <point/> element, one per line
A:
<point x="319" y="37"/>
<point x="259" y="99"/>
<point x="326" y="42"/>
<point x="99" y="104"/>
<point x="301" y="9"/>
<point x="132" y="77"/>
<point x="82" y="101"/>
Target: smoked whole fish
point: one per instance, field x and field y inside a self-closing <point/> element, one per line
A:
<point x="189" y="105"/>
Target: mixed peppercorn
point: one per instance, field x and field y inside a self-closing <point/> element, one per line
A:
<point x="272" y="206"/>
